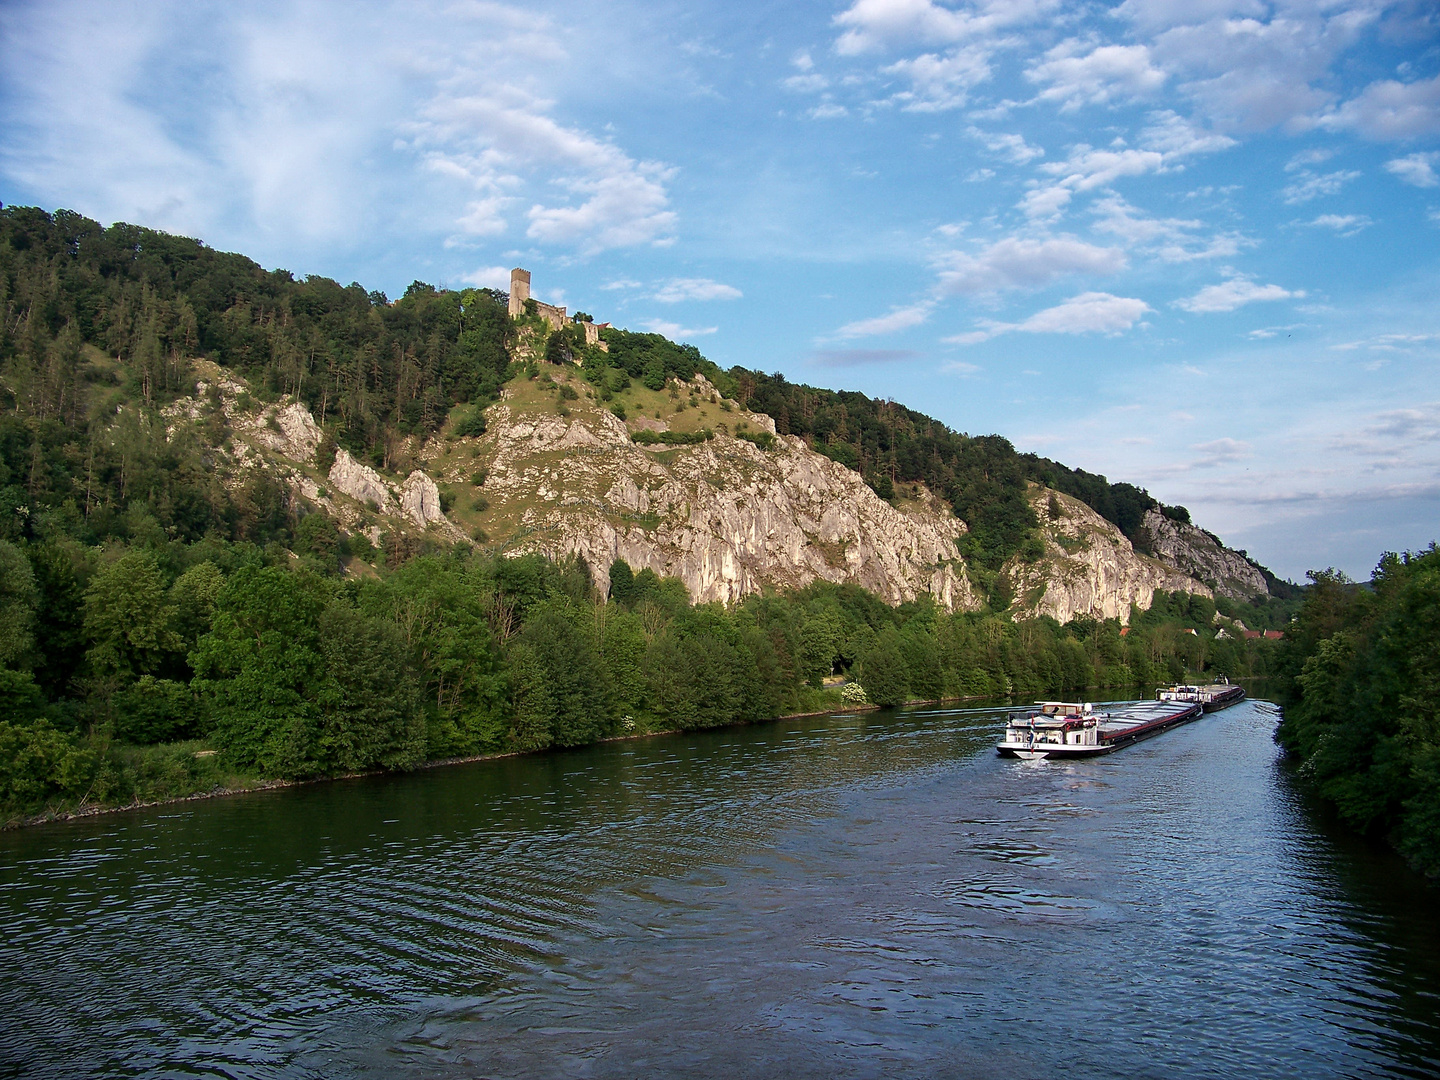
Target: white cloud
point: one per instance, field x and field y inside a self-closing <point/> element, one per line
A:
<point x="1306" y="158"/>
<point x="1084" y="170"/>
<point x="1390" y="111"/>
<point x="621" y="283"/>
<point x="1308" y="185"/>
<point x="828" y="111"/>
<point x="492" y="138"/>
<point x="1088" y="313"/>
<point x="1176" y="137"/>
<point x="1416" y="169"/>
<point x="872" y="25"/>
<point x="1390" y="342"/>
<point x="808" y="83"/>
<point x="676" y="332"/>
<point x="1232" y="294"/>
<point x="940" y="82"/>
<point x="488" y="277"/>
<point x="1010" y="146"/>
<point x="1247" y="65"/>
<point x="1168" y="239"/>
<point x="283" y="128"/>
<point x="1018" y="263"/>
<point x="678" y="289"/>
<point x="1105" y="74"/>
<point x="1344" y="224"/>
<point x="898" y="319"/>
<point x="482" y="217"/>
<point x="1220" y="452"/>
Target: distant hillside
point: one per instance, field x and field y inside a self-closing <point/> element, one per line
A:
<point x="96" y="317"/>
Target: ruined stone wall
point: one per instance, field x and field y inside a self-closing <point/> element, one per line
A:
<point x="555" y="316"/>
<point x="519" y="291"/>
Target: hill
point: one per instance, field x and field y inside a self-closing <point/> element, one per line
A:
<point x="262" y="527"/>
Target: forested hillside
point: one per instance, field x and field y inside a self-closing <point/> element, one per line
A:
<point x="167" y="625"/>
<point x="372" y="372"/>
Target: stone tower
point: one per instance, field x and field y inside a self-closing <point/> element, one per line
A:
<point x="519" y="291"/>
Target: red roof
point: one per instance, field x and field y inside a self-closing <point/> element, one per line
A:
<point x="1274" y="635"/>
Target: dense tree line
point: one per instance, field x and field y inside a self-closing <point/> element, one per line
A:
<point x="1364" y="716"/>
<point x="289" y="669"/>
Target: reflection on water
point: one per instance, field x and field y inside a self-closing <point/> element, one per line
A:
<point x="842" y="896"/>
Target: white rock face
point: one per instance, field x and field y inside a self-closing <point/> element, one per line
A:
<point x="726" y="517"/>
<point x="297" y="437"/>
<point x="1196" y="552"/>
<point x="420" y="499"/>
<point x="360" y="482"/>
<point x="1090" y="567"/>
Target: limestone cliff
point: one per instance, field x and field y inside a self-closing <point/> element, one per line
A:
<point x="737" y="513"/>
<point x="1196" y="552"/>
<point x="1089" y="566"/>
<point x="725" y="516"/>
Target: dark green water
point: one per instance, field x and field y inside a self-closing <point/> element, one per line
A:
<point x="843" y="896"/>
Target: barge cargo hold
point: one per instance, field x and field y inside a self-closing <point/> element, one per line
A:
<point x="1063" y="729"/>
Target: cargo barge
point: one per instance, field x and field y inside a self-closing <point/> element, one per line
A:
<point x="1064" y="729"/>
<point x="1220" y="694"/>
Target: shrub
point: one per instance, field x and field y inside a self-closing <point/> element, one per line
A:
<point x="673" y="438"/>
<point x="471" y="423"/>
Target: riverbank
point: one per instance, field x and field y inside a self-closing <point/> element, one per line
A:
<point x="238" y="784"/>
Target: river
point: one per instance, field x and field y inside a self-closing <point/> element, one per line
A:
<point x="846" y="896"/>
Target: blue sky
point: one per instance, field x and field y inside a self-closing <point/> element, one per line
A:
<point x="1192" y="244"/>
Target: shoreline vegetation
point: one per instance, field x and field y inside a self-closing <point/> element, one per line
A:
<point x="1361" y="671"/>
<point x="214" y="665"/>
<point x="258" y="784"/>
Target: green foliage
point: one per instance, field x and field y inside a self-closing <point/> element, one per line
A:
<point x="470" y="424"/>
<point x="18" y="596"/>
<point x="672" y="438"/>
<point x="155" y="710"/>
<point x="1365" y="716"/>
<point x="39" y="763"/>
<point x="883" y="671"/>
<point x="260" y="668"/>
<point x="763" y="439"/>
<point x="128" y="619"/>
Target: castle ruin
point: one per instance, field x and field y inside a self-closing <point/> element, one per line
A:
<point x="555" y="316"/>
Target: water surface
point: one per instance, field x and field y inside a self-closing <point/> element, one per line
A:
<point x="833" y="897"/>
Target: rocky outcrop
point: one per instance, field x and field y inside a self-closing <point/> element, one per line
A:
<point x="420" y="499"/>
<point x="288" y="430"/>
<point x="1089" y="566"/>
<point x="1196" y="552"/>
<point x="360" y="482"/>
<point x="726" y="517"/>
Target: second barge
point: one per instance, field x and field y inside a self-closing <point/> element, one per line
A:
<point x="1220" y="694"/>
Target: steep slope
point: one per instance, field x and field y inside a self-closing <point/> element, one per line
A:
<point x="725" y="516"/>
<point x="1089" y="566"/>
<point x="559" y="474"/>
<point x="1200" y="554"/>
